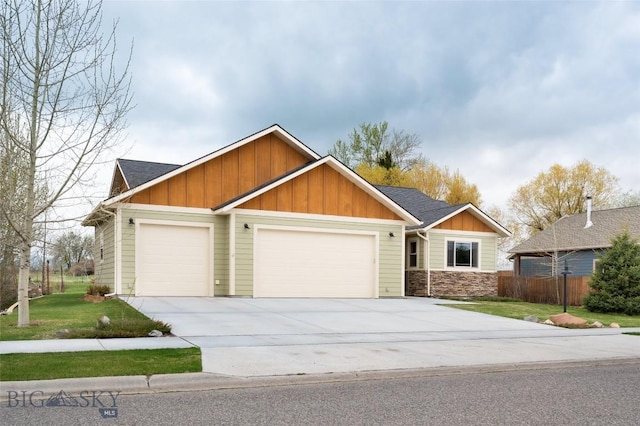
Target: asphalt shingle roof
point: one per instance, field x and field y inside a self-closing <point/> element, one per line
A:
<point x="138" y="172"/>
<point x="423" y="207"/>
<point x="569" y="233"/>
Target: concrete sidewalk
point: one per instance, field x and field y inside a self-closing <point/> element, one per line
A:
<point x="79" y="345"/>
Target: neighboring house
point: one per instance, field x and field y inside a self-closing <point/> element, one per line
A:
<point x="453" y="251"/>
<point x="263" y="217"/>
<point x="577" y="238"/>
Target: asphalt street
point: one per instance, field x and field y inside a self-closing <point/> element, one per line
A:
<point x="562" y="394"/>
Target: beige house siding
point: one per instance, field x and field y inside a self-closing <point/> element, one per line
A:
<point x="488" y="253"/>
<point x="390" y="264"/>
<point x="105" y="266"/>
<point x="220" y="233"/>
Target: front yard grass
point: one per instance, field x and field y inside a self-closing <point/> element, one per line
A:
<point x="519" y="310"/>
<point x="61" y="365"/>
<point x="68" y="310"/>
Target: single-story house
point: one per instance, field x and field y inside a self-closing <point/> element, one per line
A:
<point x="263" y="217"/>
<point x="452" y="251"/>
<point x="577" y="239"/>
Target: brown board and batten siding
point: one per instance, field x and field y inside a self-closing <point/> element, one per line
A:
<point x="322" y="190"/>
<point x="464" y="221"/>
<point x="225" y="177"/>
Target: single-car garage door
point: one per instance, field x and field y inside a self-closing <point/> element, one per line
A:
<point x="301" y="263"/>
<point x="173" y="260"/>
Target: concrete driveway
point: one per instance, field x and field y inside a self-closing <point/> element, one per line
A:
<point x="264" y="337"/>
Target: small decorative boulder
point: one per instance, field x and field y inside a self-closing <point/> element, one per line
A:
<point x="60" y="334"/>
<point x="614" y="325"/>
<point x="531" y="318"/>
<point x="597" y="324"/>
<point x="104" y="321"/>
<point x="155" y="333"/>
<point x="567" y="319"/>
<point x="548" y="322"/>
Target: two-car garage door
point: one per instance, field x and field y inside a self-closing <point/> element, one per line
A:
<point x="314" y="263"/>
<point x="174" y="260"/>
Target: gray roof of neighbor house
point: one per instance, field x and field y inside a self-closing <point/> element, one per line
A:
<point x="138" y="172"/>
<point x="569" y="233"/>
<point x="425" y="208"/>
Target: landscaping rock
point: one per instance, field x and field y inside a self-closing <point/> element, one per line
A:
<point x="60" y="334"/>
<point x="597" y="324"/>
<point x="155" y="333"/>
<point x="614" y="325"/>
<point x="567" y="319"/>
<point x="548" y="322"/>
<point x="104" y="321"/>
<point x="531" y="318"/>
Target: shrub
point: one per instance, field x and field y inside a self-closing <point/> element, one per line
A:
<point x="120" y="328"/>
<point x="98" y="290"/>
<point x="616" y="282"/>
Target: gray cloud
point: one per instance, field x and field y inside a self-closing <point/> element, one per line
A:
<point x="498" y="90"/>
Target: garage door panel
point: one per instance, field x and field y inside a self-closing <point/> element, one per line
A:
<point x="173" y="260"/>
<point x="314" y="264"/>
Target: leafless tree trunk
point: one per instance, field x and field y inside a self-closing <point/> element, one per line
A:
<point x="60" y="84"/>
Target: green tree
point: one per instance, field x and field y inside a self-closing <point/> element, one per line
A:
<point x="616" y="282"/>
<point x="376" y="145"/>
<point x="561" y="191"/>
<point x="59" y="82"/>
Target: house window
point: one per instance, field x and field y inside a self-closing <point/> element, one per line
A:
<point x="595" y="264"/>
<point x="101" y="246"/>
<point x="462" y="254"/>
<point x="413" y="253"/>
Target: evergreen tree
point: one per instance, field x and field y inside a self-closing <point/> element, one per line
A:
<point x="616" y="282"/>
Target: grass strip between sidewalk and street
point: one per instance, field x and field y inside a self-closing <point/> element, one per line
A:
<point x="518" y="310"/>
<point x="62" y="365"/>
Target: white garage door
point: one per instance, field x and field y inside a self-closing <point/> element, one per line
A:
<point x="314" y="264"/>
<point x="173" y="260"/>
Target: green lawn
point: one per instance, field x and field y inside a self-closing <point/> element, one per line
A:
<point x="519" y="310"/>
<point x="68" y="310"/>
<point x="60" y="365"/>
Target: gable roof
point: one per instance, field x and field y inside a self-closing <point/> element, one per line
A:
<point x="340" y="168"/>
<point x="275" y="129"/>
<point x="135" y="172"/>
<point x="432" y="212"/>
<point x="569" y="233"/>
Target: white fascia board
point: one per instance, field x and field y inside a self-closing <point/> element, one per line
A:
<point x="118" y="168"/>
<point x="279" y="131"/>
<point x="478" y="214"/>
<point x="343" y="170"/>
<point x="372" y="191"/>
<point x="315" y="216"/>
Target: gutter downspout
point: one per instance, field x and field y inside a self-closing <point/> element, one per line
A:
<point x="426" y="261"/>
<point x="116" y="279"/>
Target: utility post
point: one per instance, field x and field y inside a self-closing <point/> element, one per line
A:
<point x="564" y="273"/>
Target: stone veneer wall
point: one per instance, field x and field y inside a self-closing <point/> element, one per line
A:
<point x="452" y="283"/>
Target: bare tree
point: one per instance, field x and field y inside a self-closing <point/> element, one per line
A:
<point x="71" y="248"/>
<point x="61" y="86"/>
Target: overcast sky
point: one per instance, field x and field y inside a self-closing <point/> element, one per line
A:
<point x="498" y="90"/>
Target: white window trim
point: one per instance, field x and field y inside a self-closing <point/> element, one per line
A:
<point x="409" y="241"/>
<point x="463" y="268"/>
<point x="595" y="265"/>
<point x="101" y="248"/>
